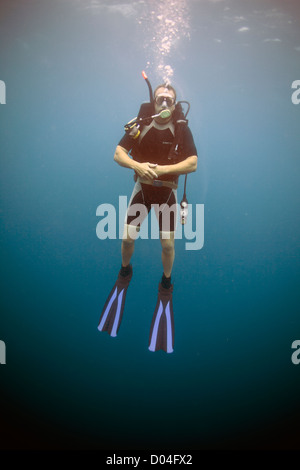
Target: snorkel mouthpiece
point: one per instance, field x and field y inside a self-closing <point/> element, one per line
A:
<point x="165" y="114"/>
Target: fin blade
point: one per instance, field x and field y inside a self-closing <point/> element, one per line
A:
<point x="108" y="309"/>
<point x="118" y="315"/>
<point x="170" y="328"/>
<point x="112" y="313"/>
<point x="155" y="327"/>
<point x="162" y="326"/>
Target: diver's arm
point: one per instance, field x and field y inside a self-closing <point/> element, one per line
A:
<point x="144" y="170"/>
<point x="189" y="165"/>
<point x="122" y="158"/>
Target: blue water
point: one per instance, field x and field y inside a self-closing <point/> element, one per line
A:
<point x="72" y="70"/>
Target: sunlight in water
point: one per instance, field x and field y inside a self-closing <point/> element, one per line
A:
<point x="164" y="24"/>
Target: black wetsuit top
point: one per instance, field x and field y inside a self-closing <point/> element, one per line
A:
<point x="155" y="146"/>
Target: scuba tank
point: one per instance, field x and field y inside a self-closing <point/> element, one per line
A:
<point x="146" y="115"/>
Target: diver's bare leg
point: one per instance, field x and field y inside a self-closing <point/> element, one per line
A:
<point x="168" y="251"/>
<point x="127" y="248"/>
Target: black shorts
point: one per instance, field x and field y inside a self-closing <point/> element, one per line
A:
<point x="145" y="197"/>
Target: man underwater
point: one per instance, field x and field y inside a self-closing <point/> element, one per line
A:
<point x="147" y="153"/>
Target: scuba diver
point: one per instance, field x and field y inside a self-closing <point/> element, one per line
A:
<point x="159" y="147"/>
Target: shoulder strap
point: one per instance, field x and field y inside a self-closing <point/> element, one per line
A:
<point x="180" y="123"/>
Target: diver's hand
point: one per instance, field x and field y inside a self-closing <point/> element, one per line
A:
<point x="160" y="169"/>
<point x="145" y="170"/>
